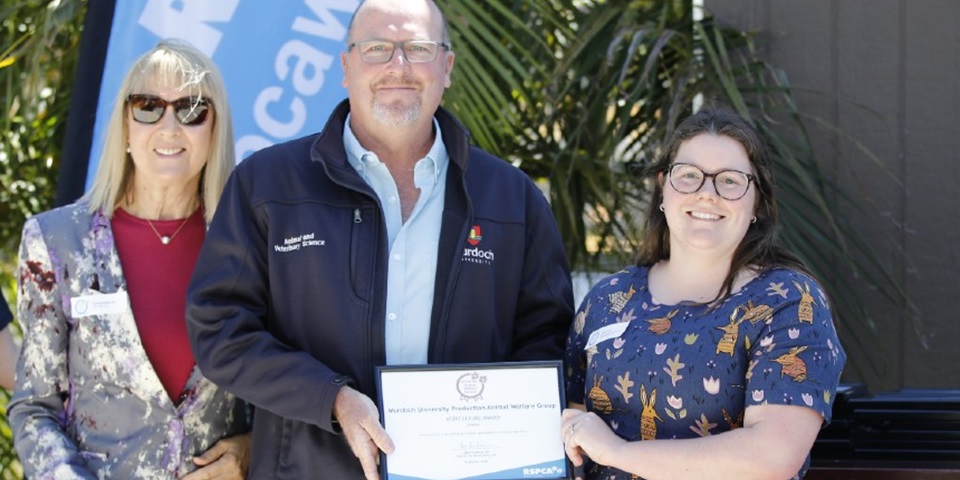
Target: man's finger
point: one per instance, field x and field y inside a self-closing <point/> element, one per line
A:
<point x="213" y="453"/>
<point x="369" y="460"/>
<point x="204" y="473"/>
<point x="379" y="437"/>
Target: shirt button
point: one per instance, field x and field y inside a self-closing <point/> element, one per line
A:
<point x="392" y="316"/>
<point x="392" y="199"/>
<point x="397" y="256"/>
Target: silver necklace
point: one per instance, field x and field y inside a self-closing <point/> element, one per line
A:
<point x="166" y="239"/>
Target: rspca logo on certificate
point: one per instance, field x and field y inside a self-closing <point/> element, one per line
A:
<point x="543" y="472"/>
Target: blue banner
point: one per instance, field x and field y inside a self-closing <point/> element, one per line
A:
<point x="280" y="60"/>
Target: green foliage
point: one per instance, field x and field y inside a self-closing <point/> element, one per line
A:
<point x="604" y="84"/>
<point x="38" y="58"/>
<point x="9" y="463"/>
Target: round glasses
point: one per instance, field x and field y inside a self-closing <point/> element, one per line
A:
<point x="414" y="51"/>
<point x="149" y="109"/>
<point x="729" y="184"/>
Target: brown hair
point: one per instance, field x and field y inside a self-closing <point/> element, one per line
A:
<point x="759" y="249"/>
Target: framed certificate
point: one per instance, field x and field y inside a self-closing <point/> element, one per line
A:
<point x="494" y="421"/>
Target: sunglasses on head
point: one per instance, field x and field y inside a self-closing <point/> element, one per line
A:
<point x="149" y="109"/>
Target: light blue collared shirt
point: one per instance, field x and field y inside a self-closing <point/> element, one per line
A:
<point x="413" y="245"/>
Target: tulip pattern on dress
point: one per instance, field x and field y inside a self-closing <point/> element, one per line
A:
<point x="656" y="371"/>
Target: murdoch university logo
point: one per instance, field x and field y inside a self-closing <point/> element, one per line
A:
<point x="475" y="254"/>
<point x="475" y="236"/>
<point x="470" y="386"/>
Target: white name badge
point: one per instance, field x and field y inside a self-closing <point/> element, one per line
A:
<point x="606" y="333"/>
<point x="99" y="304"/>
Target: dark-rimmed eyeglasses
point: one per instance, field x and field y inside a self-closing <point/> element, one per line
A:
<point x="729" y="184"/>
<point x="414" y="51"/>
<point x="149" y="109"/>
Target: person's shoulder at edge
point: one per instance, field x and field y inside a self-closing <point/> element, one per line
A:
<point x="299" y="150"/>
<point x="291" y="150"/>
<point x="64" y="213"/>
<point x="501" y="182"/>
<point x="789" y="281"/>
<point x="481" y="159"/>
<point x="630" y="276"/>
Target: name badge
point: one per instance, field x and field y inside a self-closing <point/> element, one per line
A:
<point x="99" y="304"/>
<point x="606" y="333"/>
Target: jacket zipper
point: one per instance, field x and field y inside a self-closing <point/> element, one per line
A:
<point x="357" y="220"/>
<point x="454" y="277"/>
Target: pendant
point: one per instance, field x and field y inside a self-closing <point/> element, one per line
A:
<point x="165" y="240"/>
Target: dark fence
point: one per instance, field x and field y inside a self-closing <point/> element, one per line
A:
<point x="903" y="434"/>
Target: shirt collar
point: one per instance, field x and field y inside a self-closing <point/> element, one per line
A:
<point x="360" y="158"/>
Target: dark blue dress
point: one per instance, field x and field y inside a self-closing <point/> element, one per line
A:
<point x="682" y="371"/>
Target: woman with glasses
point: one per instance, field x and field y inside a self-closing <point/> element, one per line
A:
<point x="107" y="386"/>
<point x="716" y="355"/>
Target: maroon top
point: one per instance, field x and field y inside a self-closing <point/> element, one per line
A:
<point x="157" y="277"/>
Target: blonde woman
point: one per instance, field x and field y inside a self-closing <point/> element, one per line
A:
<point x="106" y="384"/>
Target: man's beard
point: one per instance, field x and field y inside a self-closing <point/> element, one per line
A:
<point x="395" y="114"/>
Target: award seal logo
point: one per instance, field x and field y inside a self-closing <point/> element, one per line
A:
<point x="470" y="386"/>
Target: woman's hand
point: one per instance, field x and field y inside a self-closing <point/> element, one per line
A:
<point x="226" y="459"/>
<point x="584" y="433"/>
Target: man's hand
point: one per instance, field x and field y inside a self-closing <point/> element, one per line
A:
<point x="226" y="459"/>
<point x="360" y="421"/>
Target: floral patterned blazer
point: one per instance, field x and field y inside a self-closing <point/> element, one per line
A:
<point x="88" y="403"/>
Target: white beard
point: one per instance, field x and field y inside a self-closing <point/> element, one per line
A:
<point x="395" y="115"/>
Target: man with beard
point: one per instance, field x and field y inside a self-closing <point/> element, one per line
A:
<point x="385" y="239"/>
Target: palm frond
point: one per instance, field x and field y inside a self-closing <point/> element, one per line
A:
<point x="606" y="84"/>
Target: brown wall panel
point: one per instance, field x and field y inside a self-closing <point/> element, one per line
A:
<point x="931" y="133"/>
<point x="888" y="73"/>
<point x="805" y="40"/>
<point x="868" y="60"/>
